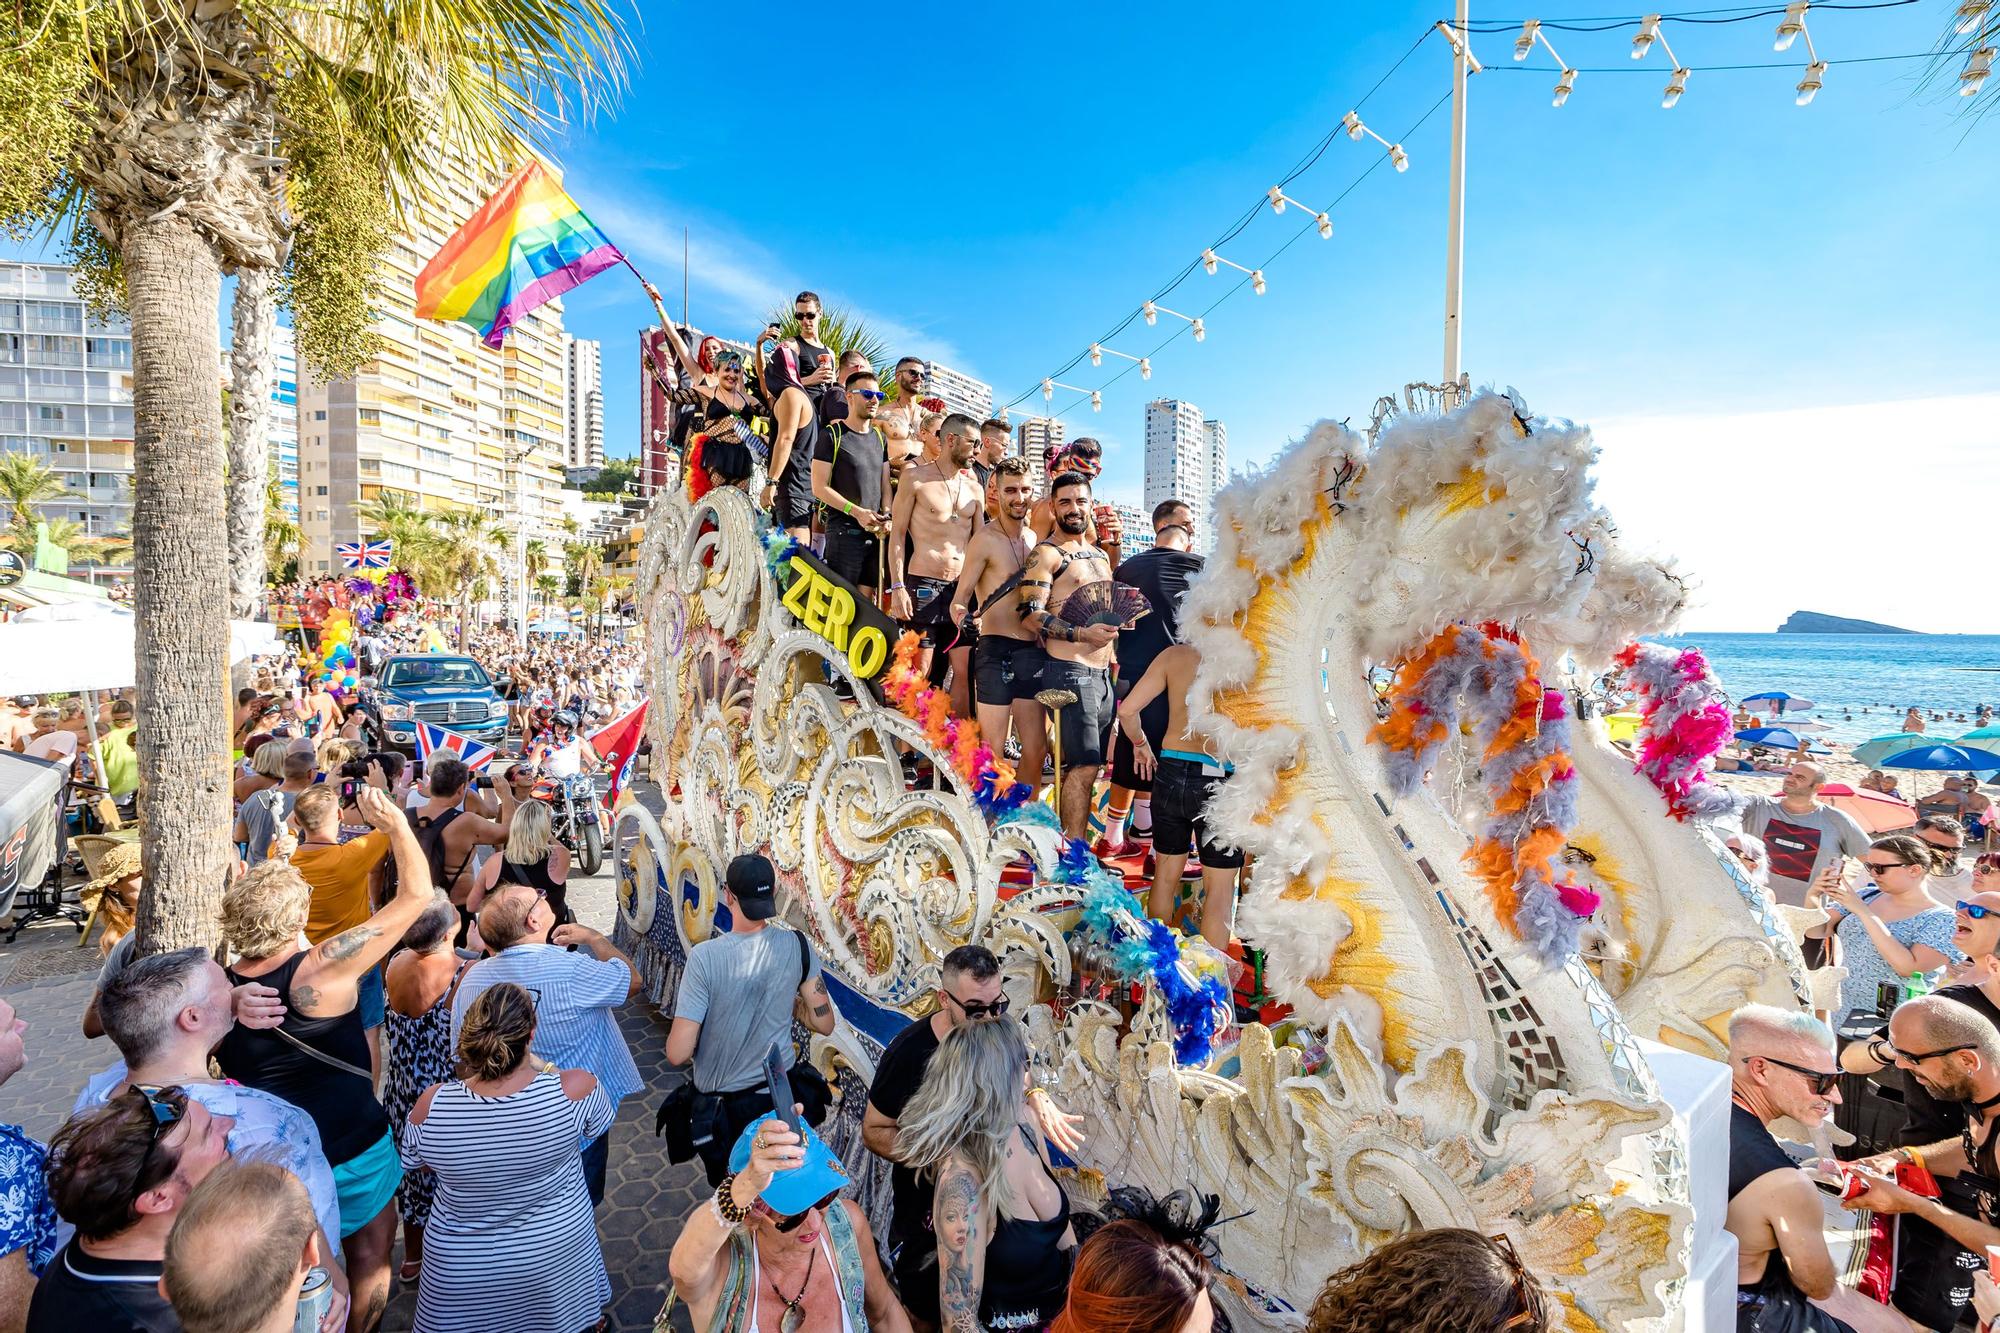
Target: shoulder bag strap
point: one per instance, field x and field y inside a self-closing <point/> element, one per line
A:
<point x="323" y="1057"/>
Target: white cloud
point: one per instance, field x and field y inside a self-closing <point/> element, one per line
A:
<point x="741" y="276"/>
<point x="1873" y="510"/>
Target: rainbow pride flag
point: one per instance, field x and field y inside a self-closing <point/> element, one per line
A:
<point x="525" y="246"/>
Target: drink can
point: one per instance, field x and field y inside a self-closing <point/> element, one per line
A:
<point x="1888" y="995"/>
<point x="315" y="1299"/>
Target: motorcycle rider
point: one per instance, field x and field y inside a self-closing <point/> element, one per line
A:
<point x="563" y="753"/>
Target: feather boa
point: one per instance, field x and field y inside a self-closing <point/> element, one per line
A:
<point x="698" y="483"/>
<point x="1522" y="731"/>
<point x="779" y="548"/>
<point x="1683" y="723"/>
<point x="1192" y="982"/>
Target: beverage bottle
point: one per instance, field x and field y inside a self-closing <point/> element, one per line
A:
<point x="1915" y="986"/>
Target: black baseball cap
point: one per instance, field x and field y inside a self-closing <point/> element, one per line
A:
<point x="754" y="881"/>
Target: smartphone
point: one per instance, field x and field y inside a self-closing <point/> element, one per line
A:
<point x="349" y="788"/>
<point x="780" y="1083"/>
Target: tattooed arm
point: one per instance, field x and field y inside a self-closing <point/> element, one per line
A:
<point x="815" y="1007"/>
<point x="962" y="1235"/>
<point x="336" y="964"/>
<point x="1032" y="598"/>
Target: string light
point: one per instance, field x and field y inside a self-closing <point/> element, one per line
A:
<point x="1098" y="351"/>
<point x="1791" y="25"/>
<point x="1972" y="13"/>
<point x="1355" y="131"/>
<point x="1977" y="70"/>
<point x="1152" y="310"/>
<point x="1649" y="33"/>
<point x="1524" y="46"/>
<point x="1209" y="260"/>
<point x="1050" y="386"/>
<point x="1809" y="86"/>
<point x="1276" y="194"/>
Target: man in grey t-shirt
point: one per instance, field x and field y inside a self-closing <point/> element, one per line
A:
<point x="1802" y="834"/>
<point x="738" y="993"/>
<point x="263" y="813"/>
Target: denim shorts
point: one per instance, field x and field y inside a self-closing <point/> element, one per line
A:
<point x="1180" y="794"/>
<point x="374" y="998"/>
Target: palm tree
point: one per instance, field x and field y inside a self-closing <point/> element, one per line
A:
<point x="173" y="141"/>
<point x="549" y="585"/>
<point x="253" y="313"/>
<point x="281" y="533"/>
<point x="840" y="331"/>
<point x="25" y="481"/>
<point x="534" y="558"/>
<point x="467" y="556"/>
<point x="583" y="560"/>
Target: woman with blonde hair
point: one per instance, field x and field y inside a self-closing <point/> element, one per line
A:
<point x="532" y="857"/>
<point x="511" y="1243"/>
<point x="1002" y="1221"/>
<point x="267" y="769"/>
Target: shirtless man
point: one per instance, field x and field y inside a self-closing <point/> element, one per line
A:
<point x="996" y="555"/>
<point x="456" y="819"/>
<point x="1184" y="775"/>
<point x="1085" y="457"/>
<point x="1079" y="659"/>
<point x="898" y="420"/>
<point x="937" y="508"/>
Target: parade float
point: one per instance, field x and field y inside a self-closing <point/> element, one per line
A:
<point x="1470" y="908"/>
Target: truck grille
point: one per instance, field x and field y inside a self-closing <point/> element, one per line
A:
<point x="461" y="710"/>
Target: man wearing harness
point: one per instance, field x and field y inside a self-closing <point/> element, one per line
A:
<point x="777" y="1250"/>
<point x="993" y="564"/>
<point x="450" y="831"/>
<point x="1079" y="658"/>
<point x="1954" y="1052"/>
<point x="1781" y="1064"/>
<point x="937" y="509"/>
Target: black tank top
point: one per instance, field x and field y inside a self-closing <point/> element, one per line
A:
<point x="1027" y="1270"/>
<point x="341" y="1104"/>
<point x="536" y="876"/>
<point x="1752" y="1151"/>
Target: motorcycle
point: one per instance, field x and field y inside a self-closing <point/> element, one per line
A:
<point x="577" y="815"/>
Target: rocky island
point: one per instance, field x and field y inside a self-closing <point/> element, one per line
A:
<point x="1817" y="622"/>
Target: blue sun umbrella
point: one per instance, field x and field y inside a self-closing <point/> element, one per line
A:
<point x="1778" y="738"/>
<point x="1775" y="702"/>
<point x="1947" y="759"/>
<point x="1880" y="749"/>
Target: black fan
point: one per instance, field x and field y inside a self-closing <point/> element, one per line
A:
<point x="1106" y="602"/>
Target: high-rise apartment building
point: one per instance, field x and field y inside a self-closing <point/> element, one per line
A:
<point x="1033" y="440"/>
<point x="961" y="392"/>
<point x="1218" y="462"/>
<point x="583" y="382"/>
<point x="283" y="428"/>
<point x="66" y="394"/>
<point x="437" y="416"/>
<point x="1177" y="465"/>
<point x="1137" y="525"/>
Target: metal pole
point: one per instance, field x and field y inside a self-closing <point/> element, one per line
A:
<point x="520" y="549"/>
<point x="1454" y="250"/>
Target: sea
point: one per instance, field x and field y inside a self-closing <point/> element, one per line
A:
<point x="1861" y="683"/>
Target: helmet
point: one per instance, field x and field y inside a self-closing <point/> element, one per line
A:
<point x="565" y="718"/>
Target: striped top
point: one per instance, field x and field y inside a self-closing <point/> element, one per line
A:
<point x="511" y="1245"/>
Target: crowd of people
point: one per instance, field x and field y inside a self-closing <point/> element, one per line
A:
<point x="1028" y="613"/>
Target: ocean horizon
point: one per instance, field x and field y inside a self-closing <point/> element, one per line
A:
<point x="1861" y="683"/>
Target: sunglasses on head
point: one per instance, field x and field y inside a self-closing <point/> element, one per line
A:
<point x="729" y="361"/>
<point x="1818" y="1080"/>
<point x="974" y="1009"/>
<point x="793" y="1221"/>
<point x="165" y="1116"/>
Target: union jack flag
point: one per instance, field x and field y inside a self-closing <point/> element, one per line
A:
<point x="363" y="555"/>
<point x="435" y="740"/>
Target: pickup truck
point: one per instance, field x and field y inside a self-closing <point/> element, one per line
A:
<point x="444" y="690"/>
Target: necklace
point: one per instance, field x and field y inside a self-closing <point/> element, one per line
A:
<point x="794" y="1317"/>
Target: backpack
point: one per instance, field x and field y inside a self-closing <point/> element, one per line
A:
<point x="430" y="837"/>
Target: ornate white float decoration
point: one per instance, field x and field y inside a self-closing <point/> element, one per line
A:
<point x="1455" y="1060"/>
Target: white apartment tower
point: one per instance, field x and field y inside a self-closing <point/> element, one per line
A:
<point x="1034" y="439"/>
<point x="583" y="425"/>
<point x="1177" y="463"/>
<point x="436" y="416"/>
<point x="1218" y="462"/>
<point x="961" y="392"/>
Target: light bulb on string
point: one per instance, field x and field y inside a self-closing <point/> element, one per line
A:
<point x="1096" y="354"/>
<point x="1524" y="45"/>
<point x="1276" y="194"/>
<point x="1675" y="87"/>
<point x="1151" y="312"/>
<point x="1400" y="158"/>
<point x="1971" y="13"/>
<point x="1208" y="260"/>
<point x="1199" y="332"/>
<point x="1564" y="87"/>
<point x="1257" y="281"/>
<point x="1977" y="70"/>
<point x="1352" y="120"/>
<point x="1096" y="401"/>
<point x="1649" y="32"/>
<point x="1791" y="25"/>
<point x="1810" y="85"/>
<point x="1145" y="368"/>
<point x="1048" y="390"/>
<point x="1325" y="225"/>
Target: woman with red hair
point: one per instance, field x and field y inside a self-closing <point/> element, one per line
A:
<point x="1131" y="1279"/>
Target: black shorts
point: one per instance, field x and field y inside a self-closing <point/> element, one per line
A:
<point x="1123" y="772"/>
<point x="793" y="504"/>
<point x="1029" y="659"/>
<point x="915" y="1268"/>
<point x="993" y="669"/>
<point x="1180" y="791"/>
<point x="854" y="554"/>
<point x="1087" y="722"/>
<point x="930" y="612"/>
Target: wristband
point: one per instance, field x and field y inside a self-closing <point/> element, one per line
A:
<point x="894" y="587"/>
<point x="847" y="508"/>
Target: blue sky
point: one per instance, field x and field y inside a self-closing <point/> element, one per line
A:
<point x="1778" y="318"/>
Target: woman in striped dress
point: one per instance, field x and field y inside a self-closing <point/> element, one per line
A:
<point x="511" y="1243"/>
<point x="418" y="1029"/>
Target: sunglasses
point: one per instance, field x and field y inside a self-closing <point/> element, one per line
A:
<point x="1917" y="1058"/>
<point x="794" y="1221"/>
<point x="1880" y="868"/>
<point x="872" y="395"/>
<point x="1976" y="912"/>
<point x="1986" y="865"/>
<point x="1533" y="1312"/>
<point x="1818" y="1080"/>
<point x="975" y="1010"/>
<point x="804" y="315"/>
<point x="165" y="1116"/>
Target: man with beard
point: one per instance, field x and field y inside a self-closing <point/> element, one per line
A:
<point x="1953" y="1052"/>
<point x="993" y="564"/>
<point x="1803" y="833"/>
<point x="1781" y="1064"/>
<point x="937" y="510"/>
<point x="850" y="477"/>
<point x="1085" y="457"/>
<point x="1079" y="657"/>
<point x="793" y="380"/>
<point x="898" y="420"/>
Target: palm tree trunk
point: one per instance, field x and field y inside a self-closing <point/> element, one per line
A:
<point x="253" y="314"/>
<point x="174" y="284"/>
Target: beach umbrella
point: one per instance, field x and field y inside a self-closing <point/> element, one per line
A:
<point x="1876" y="812"/>
<point x="1946" y="759"/>
<point x="1777" y="738"/>
<point x="1873" y="752"/>
<point x="1984" y="738"/>
<point x="1775" y="702"/>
